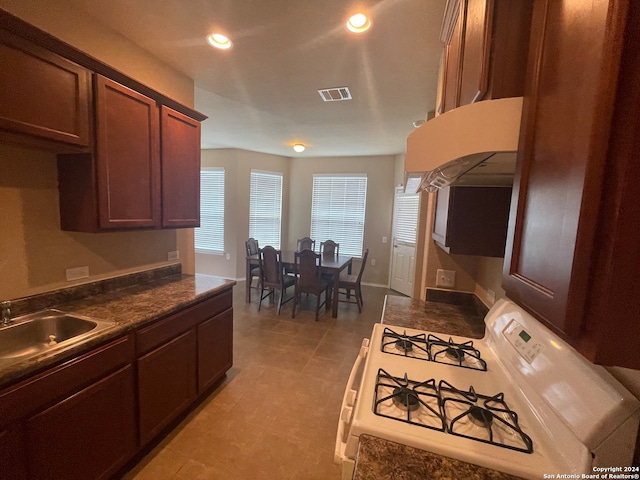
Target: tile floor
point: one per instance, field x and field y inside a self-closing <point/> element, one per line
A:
<point x="275" y="415"/>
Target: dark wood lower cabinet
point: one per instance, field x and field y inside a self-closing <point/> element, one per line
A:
<point x="215" y="349"/>
<point x="166" y="384"/>
<point x="90" y="415"/>
<point x="13" y="457"/>
<point x="89" y="435"/>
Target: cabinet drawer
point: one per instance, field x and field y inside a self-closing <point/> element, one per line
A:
<point x="164" y="330"/>
<point x="58" y="382"/>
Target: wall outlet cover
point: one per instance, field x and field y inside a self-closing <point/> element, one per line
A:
<point x="445" y="278"/>
<point x="173" y="255"/>
<point x="491" y="296"/>
<point x="373" y="262"/>
<point x="77" y="273"/>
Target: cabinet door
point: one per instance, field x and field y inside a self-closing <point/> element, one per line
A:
<point x="215" y="347"/>
<point x="89" y="435"/>
<point x="166" y="384"/>
<point x="564" y="133"/>
<point x="13" y="460"/>
<point x="452" y="57"/>
<point x="128" y="161"/>
<point x="472" y="220"/>
<point x="43" y="94"/>
<point x="180" y="170"/>
<point x="476" y="50"/>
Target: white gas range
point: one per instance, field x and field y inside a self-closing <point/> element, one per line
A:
<point x="519" y="400"/>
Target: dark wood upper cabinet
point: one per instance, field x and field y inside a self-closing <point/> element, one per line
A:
<point x="572" y="250"/>
<point x="485" y="51"/>
<point x="180" y="169"/>
<point x="127" y="157"/>
<point x="45" y="97"/>
<point x="472" y="220"/>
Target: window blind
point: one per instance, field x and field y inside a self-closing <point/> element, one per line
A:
<point x="338" y="211"/>
<point x="406" y="218"/>
<point x="265" y="208"/>
<point x="209" y="238"/>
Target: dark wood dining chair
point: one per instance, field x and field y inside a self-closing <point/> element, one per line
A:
<point x="308" y="265"/>
<point x="329" y="247"/>
<point x="252" y="248"/>
<point x="306" y="243"/>
<point x="349" y="282"/>
<point x="272" y="276"/>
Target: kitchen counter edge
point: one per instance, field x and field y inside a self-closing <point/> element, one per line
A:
<point x="128" y="308"/>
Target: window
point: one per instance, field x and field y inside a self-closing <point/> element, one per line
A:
<point x="265" y="207"/>
<point x="209" y="238"/>
<point x="337" y="211"/>
<point x="406" y="218"/>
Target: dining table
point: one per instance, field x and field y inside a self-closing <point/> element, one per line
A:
<point x="329" y="264"/>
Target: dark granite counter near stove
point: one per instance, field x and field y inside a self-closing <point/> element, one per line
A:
<point x="129" y="302"/>
<point x="378" y="459"/>
<point x="464" y="319"/>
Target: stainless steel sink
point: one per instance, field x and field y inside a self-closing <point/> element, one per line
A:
<point x="33" y="334"/>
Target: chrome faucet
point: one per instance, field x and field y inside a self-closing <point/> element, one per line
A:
<point x="6" y="313"/>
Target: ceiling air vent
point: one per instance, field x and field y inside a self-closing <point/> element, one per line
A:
<point x="335" y="94"/>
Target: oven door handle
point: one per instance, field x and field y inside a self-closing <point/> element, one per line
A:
<point x="348" y="402"/>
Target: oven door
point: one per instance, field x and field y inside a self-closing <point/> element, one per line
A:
<point x="346" y="411"/>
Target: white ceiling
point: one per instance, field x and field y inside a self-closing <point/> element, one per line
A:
<point x="261" y="95"/>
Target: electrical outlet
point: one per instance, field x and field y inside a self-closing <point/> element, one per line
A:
<point x="384" y="239"/>
<point x="445" y="278"/>
<point x="491" y="296"/>
<point x="373" y="262"/>
<point x="173" y="255"/>
<point x="228" y="256"/>
<point x="77" y="273"/>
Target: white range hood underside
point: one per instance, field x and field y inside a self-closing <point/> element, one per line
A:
<point x="451" y="144"/>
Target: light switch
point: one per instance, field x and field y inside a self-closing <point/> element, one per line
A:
<point x="384" y="239"/>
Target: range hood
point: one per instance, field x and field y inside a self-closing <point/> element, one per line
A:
<point x="474" y="144"/>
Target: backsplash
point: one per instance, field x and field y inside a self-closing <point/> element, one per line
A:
<point x="34" y="303"/>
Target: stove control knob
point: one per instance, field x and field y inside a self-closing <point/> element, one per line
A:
<point x="346" y="414"/>
<point x="351" y="397"/>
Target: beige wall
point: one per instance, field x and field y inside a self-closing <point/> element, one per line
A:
<point x="296" y="204"/>
<point x="380" y="172"/>
<point x="238" y="165"/>
<point x="34" y="252"/>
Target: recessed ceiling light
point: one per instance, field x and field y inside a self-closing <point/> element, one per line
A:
<point x="219" y="41"/>
<point x="298" y="147"/>
<point x="358" y="23"/>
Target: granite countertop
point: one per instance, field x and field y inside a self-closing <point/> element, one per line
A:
<point x="128" y="307"/>
<point x="379" y="459"/>
<point x="464" y="320"/>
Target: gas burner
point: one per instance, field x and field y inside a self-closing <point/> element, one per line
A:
<point x="405" y="399"/>
<point x="482" y="418"/>
<point x="404" y="345"/>
<point x="408" y="401"/>
<point x="452" y="353"/>
<point x="413" y="346"/>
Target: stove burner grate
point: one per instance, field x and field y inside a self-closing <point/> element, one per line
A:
<point x="490" y="414"/>
<point x="414" y="346"/>
<point x="408" y="401"/>
<point x="452" y="353"/>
